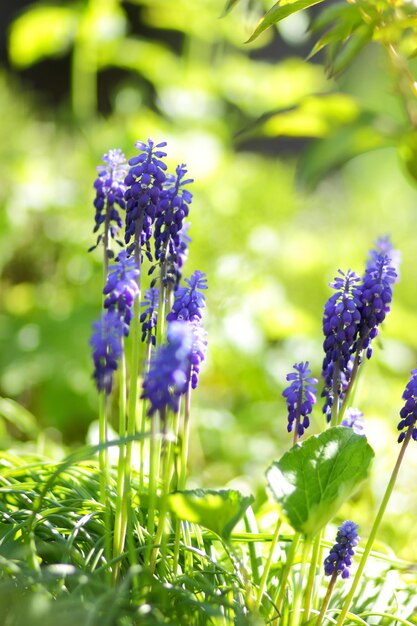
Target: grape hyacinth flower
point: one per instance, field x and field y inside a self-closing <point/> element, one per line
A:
<point x="354" y="419"/>
<point x="340" y="326"/>
<point x="376" y="297"/>
<point x="107" y="344"/>
<point x="121" y="288"/>
<point x="189" y="301"/>
<point x="172" y="210"/>
<point x="340" y="557"/>
<point x="149" y="317"/>
<point x="300" y="396"/>
<point x="384" y="247"/>
<point x="198" y="352"/>
<point x="181" y="255"/>
<point x="144" y="183"/>
<point x="408" y="413"/>
<point x="110" y="190"/>
<point x="169" y="370"/>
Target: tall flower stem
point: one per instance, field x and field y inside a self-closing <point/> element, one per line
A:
<point x="295" y="615"/>
<point x="335" y="405"/>
<point x="326" y="599"/>
<point x="374" y="530"/>
<point x="104" y="474"/>
<point x="120" y="504"/>
<point x="285" y="573"/>
<point x="166" y="480"/>
<point x="312" y="575"/>
<point x="143" y="422"/>
<point x="268" y="564"/>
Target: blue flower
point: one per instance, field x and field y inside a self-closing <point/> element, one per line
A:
<point x="408" y="413"/>
<point x="110" y="190"/>
<point x="189" y="302"/>
<point x="300" y="396"/>
<point x="340" y="557"/>
<point x="144" y="183"/>
<point x="340" y="326"/>
<point x="384" y="247"/>
<point x="169" y="372"/>
<point x="198" y="352"/>
<point x="121" y="288"/>
<point x="172" y="210"/>
<point x="354" y="419"/>
<point x="107" y="344"/>
<point x="149" y="317"/>
<point x="376" y="296"/>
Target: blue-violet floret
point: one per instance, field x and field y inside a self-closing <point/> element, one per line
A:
<point x="107" y="344"/>
<point x="340" y="557"/>
<point x="189" y="301"/>
<point x="300" y="396"/>
<point x="110" y="190"/>
<point x="354" y="419"/>
<point x="144" y="183"/>
<point x="408" y="413"/>
<point x="121" y="288"/>
<point x="169" y="370"/>
<point x="149" y="317"/>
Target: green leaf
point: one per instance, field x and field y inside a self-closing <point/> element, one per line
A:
<point x="20" y="417"/>
<point x="313" y="479"/>
<point x="218" y="511"/>
<point x="229" y="6"/>
<point x="325" y="155"/>
<point x="278" y="13"/>
<point x="40" y="32"/>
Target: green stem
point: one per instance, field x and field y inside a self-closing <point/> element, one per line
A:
<point x="312" y="575"/>
<point x="166" y="481"/>
<point x="374" y="530"/>
<point x="120" y="505"/>
<point x="286" y="571"/>
<point x="335" y="406"/>
<point x="295" y="616"/>
<point x="326" y="598"/>
<point x="352" y="382"/>
<point x="104" y="474"/>
<point x="267" y="567"/>
<point x="152" y="478"/>
<point x="143" y="422"/>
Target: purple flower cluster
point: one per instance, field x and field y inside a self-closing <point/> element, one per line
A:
<point x="198" y="352"/>
<point x="408" y="413"/>
<point x="340" y="557"/>
<point x="169" y="370"/>
<point x="110" y="190"/>
<point x="172" y="210"/>
<point x="340" y="326"/>
<point x="354" y="419"/>
<point x="376" y="296"/>
<point x="189" y="302"/>
<point x="144" y="183"/>
<point x="121" y="288"/>
<point x="300" y="396"/>
<point x="107" y="344"/>
<point x="352" y="316"/>
<point x="149" y="317"/>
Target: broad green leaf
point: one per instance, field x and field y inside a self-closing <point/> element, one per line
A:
<point x="218" y="511"/>
<point x="40" y="32"/>
<point x="313" y="479"/>
<point x="279" y="12"/>
<point x="347" y="142"/>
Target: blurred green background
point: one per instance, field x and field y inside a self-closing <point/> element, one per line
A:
<point x="276" y="212"/>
